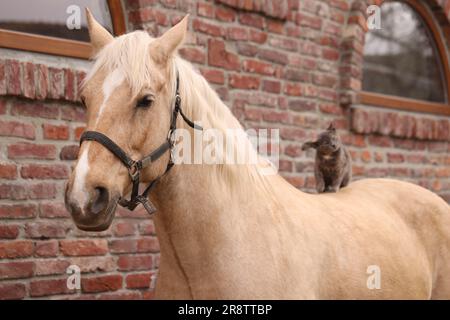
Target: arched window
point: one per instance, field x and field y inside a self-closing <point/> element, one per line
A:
<point x="405" y="62"/>
<point x="41" y="26"/>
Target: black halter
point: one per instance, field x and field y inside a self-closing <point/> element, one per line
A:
<point x="135" y="167"/>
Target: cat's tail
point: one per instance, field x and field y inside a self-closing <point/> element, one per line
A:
<point x="309" y="145"/>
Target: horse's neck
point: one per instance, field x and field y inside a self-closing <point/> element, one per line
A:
<point x="198" y="223"/>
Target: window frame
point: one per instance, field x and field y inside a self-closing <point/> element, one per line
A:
<point x="398" y="102"/>
<point x="58" y="46"/>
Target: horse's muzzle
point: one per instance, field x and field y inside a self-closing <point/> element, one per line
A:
<point x="97" y="214"/>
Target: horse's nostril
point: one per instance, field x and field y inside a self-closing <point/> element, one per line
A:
<point x="99" y="200"/>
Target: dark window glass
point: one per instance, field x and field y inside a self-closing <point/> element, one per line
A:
<point x="401" y="58"/>
<point x="49" y="17"/>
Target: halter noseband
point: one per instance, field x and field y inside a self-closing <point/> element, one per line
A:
<point x="135" y="167"/>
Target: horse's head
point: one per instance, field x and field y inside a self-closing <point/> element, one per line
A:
<point x="129" y="97"/>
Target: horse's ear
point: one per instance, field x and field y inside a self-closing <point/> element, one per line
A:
<point x="99" y="36"/>
<point x="166" y="45"/>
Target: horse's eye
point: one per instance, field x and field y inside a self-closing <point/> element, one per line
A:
<point x="145" y="102"/>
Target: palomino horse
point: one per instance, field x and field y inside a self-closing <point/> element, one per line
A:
<point x="228" y="231"/>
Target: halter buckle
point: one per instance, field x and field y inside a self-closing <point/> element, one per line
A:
<point x="133" y="171"/>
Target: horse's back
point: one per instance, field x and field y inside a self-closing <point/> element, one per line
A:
<point x="427" y="220"/>
<point x="400" y="227"/>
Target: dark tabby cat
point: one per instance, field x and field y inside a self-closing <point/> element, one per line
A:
<point x="333" y="168"/>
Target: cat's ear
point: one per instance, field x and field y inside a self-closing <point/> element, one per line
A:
<point x="309" y="145"/>
<point x="331" y="127"/>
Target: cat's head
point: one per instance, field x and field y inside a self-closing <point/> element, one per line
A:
<point x="328" y="141"/>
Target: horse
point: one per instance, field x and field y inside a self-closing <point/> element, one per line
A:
<point x="230" y="231"/>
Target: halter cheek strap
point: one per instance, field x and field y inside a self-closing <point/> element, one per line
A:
<point x="135" y="167"/>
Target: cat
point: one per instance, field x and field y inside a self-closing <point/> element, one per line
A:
<point x="333" y="168"/>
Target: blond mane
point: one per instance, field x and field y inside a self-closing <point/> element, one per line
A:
<point x="130" y="54"/>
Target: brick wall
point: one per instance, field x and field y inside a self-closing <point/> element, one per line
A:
<point x="289" y="65"/>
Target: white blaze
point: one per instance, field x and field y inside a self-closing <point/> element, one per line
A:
<point x="79" y="192"/>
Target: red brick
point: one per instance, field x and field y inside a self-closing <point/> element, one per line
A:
<point x="325" y="80"/>
<point x="47" y="267"/>
<point x="29" y="85"/>
<point x="205" y="10"/>
<point x="194" y="55"/>
<point x="380" y="141"/>
<point x="18" y="211"/>
<point x="44" y="171"/>
<point x="273" y="56"/>
<point x="102" y="283"/>
<point x="17" y="129"/>
<point x="253" y="114"/>
<point x="2" y="105"/>
<point x="44" y="190"/>
<point x="293" y="150"/>
<point x="12" y="291"/>
<point x="46" y="249"/>
<point x="16" y="270"/>
<point x="247" y="49"/>
<point x="9" y="231"/>
<point x="276" y="116"/>
<point x="46" y="230"/>
<point x="55" y="132"/>
<point x="56" y="80"/>
<point x="31" y="151"/>
<point x="225" y="14"/>
<point x="284" y="43"/>
<point x="2" y="79"/>
<point x="395" y="158"/>
<point x="213" y="76"/>
<point x="40" y="288"/>
<point x="93" y="247"/>
<point x="41" y="82"/>
<point x="13" y="75"/>
<point x="53" y="210"/>
<point x="123" y="229"/>
<point x="330" y="54"/>
<point x="16" y="249"/>
<point x="258" y="36"/>
<point x="134" y="262"/>
<point x="250" y="19"/>
<point x="147" y="228"/>
<point x="8" y="171"/>
<point x="293" y="89"/>
<point x="69" y="152"/>
<point x="313" y="22"/>
<point x="73" y="113"/>
<point x="244" y="82"/>
<point x="38" y="110"/>
<point x="237" y="33"/>
<point x="123" y="246"/>
<point x="256" y="66"/>
<point x="138" y="281"/>
<point x="78" y="132"/>
<point x="69" y="84"/>
<point x="80" y="76"/>
<point x="208" y="28"/>
<point x="148" y="244"/>
<point x="219" y="57"/>
<point x="271" y="86"/>
<point x="13" y="192"/>
<point x="292" y="134"/>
